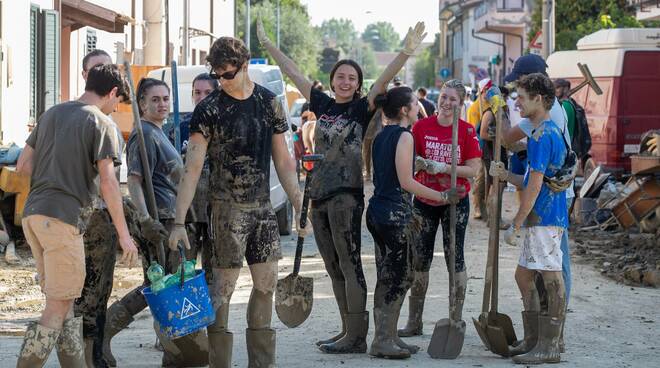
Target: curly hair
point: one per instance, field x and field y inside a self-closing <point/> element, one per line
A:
<point x="228" y="51"/>
<point x="537" y="84"/>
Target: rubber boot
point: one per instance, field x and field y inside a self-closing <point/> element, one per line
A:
<point x="260" y="347"/>
<point x="38" y="342"/>
<point x="562" y="345"/>
<point x="70" y="344"/>
<point x="340" y="295"/>
<point x="415" y="311"/>
<point x="117" y="318"/>
<point x="531" y="326"/>
<point x="89" y="352"/>
<point x="384" y="344"/>
<point x="547" y="346"/>
<point x="354" y="342"/>
<point x="220" y="349"/>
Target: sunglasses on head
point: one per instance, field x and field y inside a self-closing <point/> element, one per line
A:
<point x="226" y="75"/>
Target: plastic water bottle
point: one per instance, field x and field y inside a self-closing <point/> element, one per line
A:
<point x="155" y="274"/>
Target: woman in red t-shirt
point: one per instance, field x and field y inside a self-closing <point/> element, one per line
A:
<point x="433" y="147"/>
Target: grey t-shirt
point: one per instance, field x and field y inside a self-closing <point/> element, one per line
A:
<point x="165" y="165"/>
<point x="68" y="141"/>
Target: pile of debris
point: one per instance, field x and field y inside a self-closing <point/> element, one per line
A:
<point x="630" y="258"/>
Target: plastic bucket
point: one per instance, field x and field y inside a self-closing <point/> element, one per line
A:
<point x="182" y="310"/>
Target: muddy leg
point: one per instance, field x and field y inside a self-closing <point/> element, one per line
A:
<point x="260" y="337"/>
<point x="221" y="340"/>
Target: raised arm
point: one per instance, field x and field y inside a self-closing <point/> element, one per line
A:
<point x="287" y="65"/>
<point x="410" y="43"/>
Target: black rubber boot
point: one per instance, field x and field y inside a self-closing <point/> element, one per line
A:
<point x="531" y="326"/>
<point x="260" y="347"/>
<point x="385" y="344"/>
<point x="38" y="342"/>
<point x="340" y="296"/>
<point x="118" y="318"/>
<point x="547" y="346"/>
<point x="354" y="342"/>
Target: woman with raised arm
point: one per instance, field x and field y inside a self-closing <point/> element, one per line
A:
<point x="337" y="190"/>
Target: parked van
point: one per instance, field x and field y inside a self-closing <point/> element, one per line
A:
<point x="626" y="65"/>
<point x="268" y="76"/>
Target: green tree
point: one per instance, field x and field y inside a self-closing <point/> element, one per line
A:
<point x="297" y="37"/>
<point x="381" y="36"/>
<point x="338" y="33"/>
<point x="425" y="72"/>
<point x="576" y="19"/>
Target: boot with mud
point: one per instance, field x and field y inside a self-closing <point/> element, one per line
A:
<point x="38" y="342"/>
<point x="220" y="348"/>
<point x="415" y="311"/>
<point x="118" y="317"/>
<point x="531" y="326"/>
<point x="260" y="347"/>
<point x="384" y="344"/>
<point x="340" y="295"/>
<point x="461" y="287"/>
<point x="547" y="346"/>
<point x="89" y="352"/>
<point x="70" y="344"/>
<point x="354" y="342"/>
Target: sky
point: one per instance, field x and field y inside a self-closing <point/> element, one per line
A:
<point x="401" y="13"/>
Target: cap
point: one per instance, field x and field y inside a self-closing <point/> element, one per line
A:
<point x="485" y="84"/>
<point x="526" y="64"/>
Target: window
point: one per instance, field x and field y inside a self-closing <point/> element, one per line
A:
<point x="34" y="14"/>
<point x="91" y="41"/>
<point x="510" y="5"/>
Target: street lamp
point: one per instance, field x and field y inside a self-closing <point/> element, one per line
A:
<point x="247" y="24"/>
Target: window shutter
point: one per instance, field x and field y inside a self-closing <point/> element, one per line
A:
<point x="50" y="51"/>
<point x="34" y="59"/>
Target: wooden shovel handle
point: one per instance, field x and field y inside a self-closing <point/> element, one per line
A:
<point x="452" y="214"/>
<point x="496" y="210"/>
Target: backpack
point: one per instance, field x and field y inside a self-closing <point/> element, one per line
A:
<point x="581" y="142"/>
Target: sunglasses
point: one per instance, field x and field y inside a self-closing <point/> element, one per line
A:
<point x="226" y="75"/>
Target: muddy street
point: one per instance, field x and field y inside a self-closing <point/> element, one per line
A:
<point x="609" y="324"/>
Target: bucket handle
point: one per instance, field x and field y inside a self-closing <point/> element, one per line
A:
<point x="182" y="254"/>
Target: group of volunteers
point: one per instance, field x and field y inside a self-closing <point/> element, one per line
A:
<point x="214" y="198"/>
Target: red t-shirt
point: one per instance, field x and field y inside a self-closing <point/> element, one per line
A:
<point x="433" y="141"/>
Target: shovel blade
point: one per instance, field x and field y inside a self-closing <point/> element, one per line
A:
<point x="505" y="324"/>
<point x="447" y="339"/>
<point x="480" y="326"/>
<point x="497" y="340"/>
<point x="293" y="299"/>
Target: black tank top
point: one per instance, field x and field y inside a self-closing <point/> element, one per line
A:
<point x="390" y="203"/>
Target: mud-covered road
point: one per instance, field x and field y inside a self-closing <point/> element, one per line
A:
<point x="608" y="325"/>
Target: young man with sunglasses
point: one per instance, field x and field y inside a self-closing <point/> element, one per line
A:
<point x="239" y="127"/>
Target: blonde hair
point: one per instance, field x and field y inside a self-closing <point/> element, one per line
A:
<point x="456" y="85"/>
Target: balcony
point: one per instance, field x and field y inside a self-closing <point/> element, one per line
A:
<point x="509" y="16"/>
<point x="646" y="9"/>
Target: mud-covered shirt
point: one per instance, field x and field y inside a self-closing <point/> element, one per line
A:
<point x="340" y="129"/>
<point x="68" y="141"/>
<point x="546" y="152"/>
<point x="240" y="136"/>
<point x="165" y="165"/>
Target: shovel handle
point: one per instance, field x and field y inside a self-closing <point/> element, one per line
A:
<point x="182" y="255"/>
<point x="303" y="217"/>
<point x="452" y="214"/>
<point x="496" y="211"/>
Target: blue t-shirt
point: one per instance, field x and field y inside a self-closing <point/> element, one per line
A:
<point x="546" y="152"/>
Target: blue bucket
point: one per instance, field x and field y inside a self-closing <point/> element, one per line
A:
<point x="182" y="310"/>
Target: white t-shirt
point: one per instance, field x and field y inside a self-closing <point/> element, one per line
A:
<point x="558" y="115"/>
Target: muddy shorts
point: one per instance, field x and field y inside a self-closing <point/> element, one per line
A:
<point x="431" y="217"/>
<point x="247" y="231"/>
<point x="541" y="248"/>
<point x="59" y="253"/>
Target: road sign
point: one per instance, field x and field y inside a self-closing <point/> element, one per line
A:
<point x="444" y="73"/>
<point x="260" y="61"/>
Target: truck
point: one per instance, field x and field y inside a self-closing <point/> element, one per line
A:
<point x="626" y="65"/>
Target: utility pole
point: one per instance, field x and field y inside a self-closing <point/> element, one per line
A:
<point x="186" y="30"/>
<point x="548" y="27"/>
<point x="278" y="24"/>
<point x="247" y="24"/>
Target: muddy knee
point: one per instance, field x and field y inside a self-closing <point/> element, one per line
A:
<point x="222" y="288"/>
<point x="260" y="306"/>
<point x="420" y="284"/>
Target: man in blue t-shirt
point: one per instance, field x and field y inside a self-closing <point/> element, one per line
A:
<point x="544" y="216"/>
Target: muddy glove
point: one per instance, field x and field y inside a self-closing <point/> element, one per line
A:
<point x="178" y="235"/>
<point x="261" y="33"/>
<point x="453" y="196"/>
<point x="152" y="230"/>
<point x="435" y="167"/>
<point x="420" y="164"/>
<point x="413" y="39"/>
<point x="497" y="170"/>
<point x="511" y="235"/>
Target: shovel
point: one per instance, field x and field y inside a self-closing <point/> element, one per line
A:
<point x="498" y="327"/>
<point x="295" y="294"/>
<point x="449" y="334"/>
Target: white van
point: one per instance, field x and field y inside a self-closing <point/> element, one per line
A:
<point x="268" y="76"/>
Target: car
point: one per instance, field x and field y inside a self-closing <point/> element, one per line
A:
<point x="268" y="76"/>
<point x="296" y="111"/>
